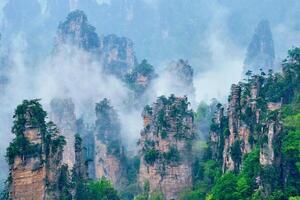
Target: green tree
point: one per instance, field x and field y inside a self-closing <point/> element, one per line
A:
<point x="101" y="190"/>
<point x="226" y="188"/>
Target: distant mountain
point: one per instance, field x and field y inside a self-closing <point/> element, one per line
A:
<point x="260" y="52"/>
<point x="114" y="52"/>
<point x="77" y="31"/>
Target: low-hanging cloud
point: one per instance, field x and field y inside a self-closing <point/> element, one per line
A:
<point x="68" y="73"/>
<point x="226" y="59"/>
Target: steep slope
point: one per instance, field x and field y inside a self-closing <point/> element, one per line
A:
<point x="76" y="30"/>
<point x="108" y="149"/>
<point x="165" y="143"/>
<point x="140" y="77"/>
<point x="115" y="53"/>
<point x="253" y="142"/>
<point x="34" y="155"/>
<point x="63" y="115"/>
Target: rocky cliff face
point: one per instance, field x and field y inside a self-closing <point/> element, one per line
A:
<point x="108" y="149"/>
<point x="117" y="54"/>
<point x="76" y="30"/>
<point x="271" y="134"/>
<point x="35" y="155"/>
<point x="215" y="141"/>
<point x="165" y="143"/>
<point x="250" y="121"/>
<point x="88" y="141"/>
<point x="140" y="77"/>
<point x="28" y="176"/>
<point x="63" y="114"/>
<point x="260" y="53"/>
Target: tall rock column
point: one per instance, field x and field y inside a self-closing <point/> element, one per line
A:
<point x="165" y="145"/>
<point x="63" y="114"/>
<point x="108" y="149"/>
<point x="272" y="131"/>
<point x="216" y="137"/>
<point x="233" y="126"/>
<point x="34" y="155"/>
<point x="117" y="54"/>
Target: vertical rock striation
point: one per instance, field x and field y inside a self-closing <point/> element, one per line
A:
<point x="63" y="114"/>
<point x="76" y="31"/>
<point x="165" y="143"/>
<point x="34" y="155"/>
<point x="251" y="121"/>
<point x="140" y="77"/>
<point x="117" y="54"/>
<point x="108" y="149"/>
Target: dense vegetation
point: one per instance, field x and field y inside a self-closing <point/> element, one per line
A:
<point x="171" y="115"/>
<point x="78" y="188"/>
<point x="279" y="180"/>
<point x="30" y="115"/>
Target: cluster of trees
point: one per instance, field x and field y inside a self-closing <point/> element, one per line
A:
<point x="78" y="188"/>
<point x="147" y="195"/>
<point x="254" y="181"/>
<point x="171" y="113"/>
<point x="140" y="77"/>
<point x="30" y="114"/>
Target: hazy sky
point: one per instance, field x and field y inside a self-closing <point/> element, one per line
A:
<point x="212" y="35"/>
<point x="161" y="29"/>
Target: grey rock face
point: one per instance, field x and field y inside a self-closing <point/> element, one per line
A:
<point x="76" y="30"/>
<point x="63" y="115"/>
<point x="117" y="54"/>
<point x="260" y="52"/>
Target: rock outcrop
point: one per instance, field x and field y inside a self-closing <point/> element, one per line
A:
<point x="76" y="31"/>
<point x="108" y="149"/>
<point x="63" y="115"/>
<point x="35" y="155"/>
<point x="215" y="141"/>
<point x="273" y="131"/>
<point x="117" y="54"/>
<point x="140" y="77"/>
<point x="88" y="142"/>
<point x="260" y="53"/>
<point x="165" y="143"/>
<point x="235" y="128"/>
<point x="250" y="121"/>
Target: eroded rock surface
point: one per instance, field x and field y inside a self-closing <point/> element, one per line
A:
<point x="165" y="143"/>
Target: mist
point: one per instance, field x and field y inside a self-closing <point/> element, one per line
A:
<point x="212" y="36"/>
